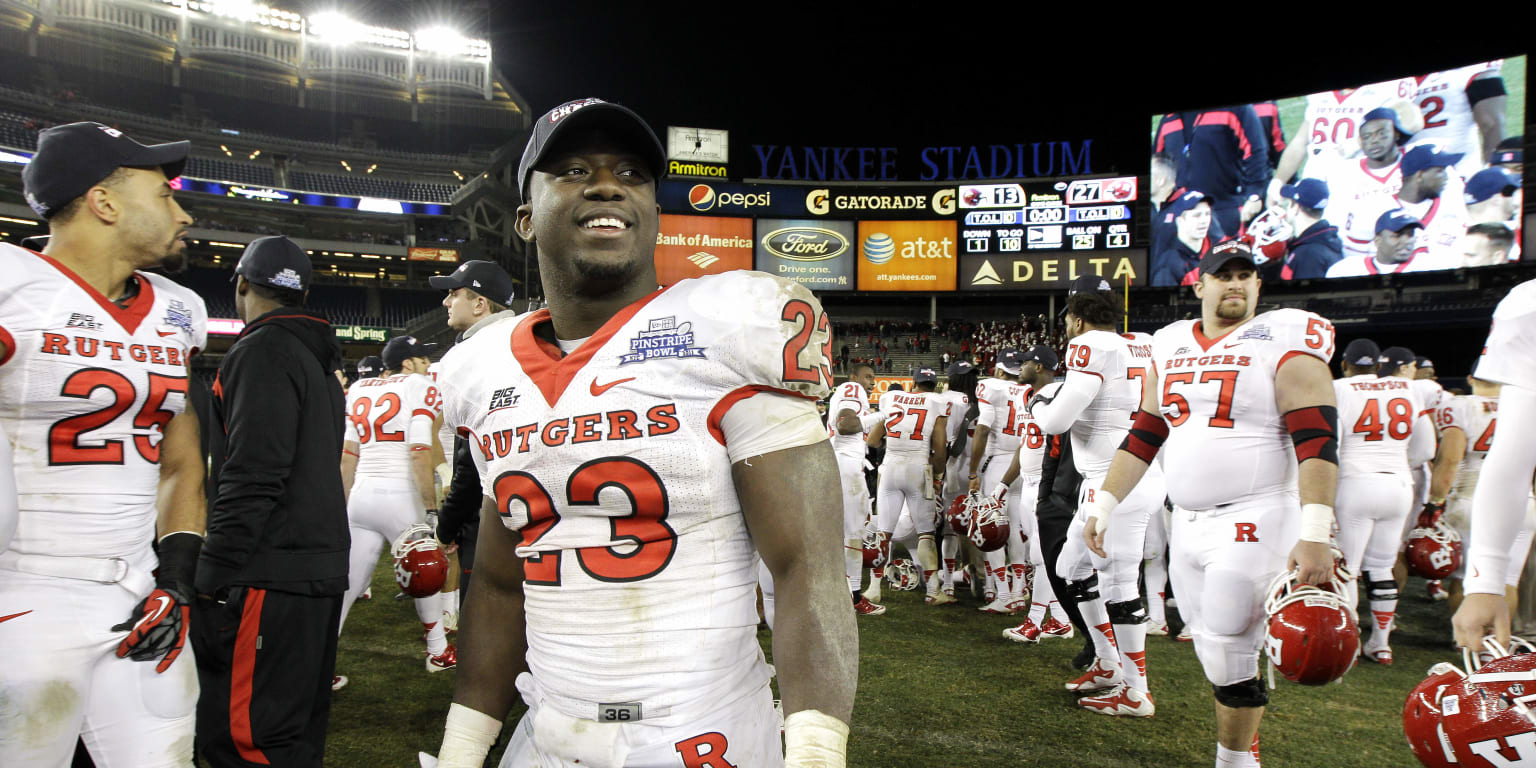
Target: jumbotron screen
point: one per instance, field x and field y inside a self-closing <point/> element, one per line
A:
<point x="1418" y="173"/>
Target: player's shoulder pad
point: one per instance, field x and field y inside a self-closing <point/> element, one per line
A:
<point x="1519" y="302"/>
<point x="1293" y="330"/>
<point x="1177" y="330"/>
<point x="1104" y="350"/>
<point x="767" y="330"/>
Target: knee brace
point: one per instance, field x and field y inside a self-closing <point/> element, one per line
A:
<point x="1381" y="590"/>
<point x="1245" y="695"/>
<point x="1083" y="591"/>
<point x="1128" y="612"/>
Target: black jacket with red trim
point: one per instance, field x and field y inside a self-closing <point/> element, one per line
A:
<point x="280" y="518"/>
<point x="1172" y="265"/>
<point x="1221" y="152"/>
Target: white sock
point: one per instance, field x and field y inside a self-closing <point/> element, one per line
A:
<point x="449" y="602"/>
<point x="1157" y="586"/>
<point x="437" y="639"/>
<point x="1231" y="758"/>
<point x="853" y="562"/>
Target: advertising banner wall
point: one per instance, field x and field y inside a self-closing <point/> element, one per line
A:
<point x="691" y="246"/>
<point x="720" y="198"/>
<point x="432" y="254"/>
<point x="817" y="254"/>
<point x="907" y="255"/>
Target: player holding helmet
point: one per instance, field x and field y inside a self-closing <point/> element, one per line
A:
<point x="914" y="432"/>
<point x="1105" y="376"/>
<point x="387" y="469"/>
<point x="1233" y="395"/>
<point x="626" y="438"/>
<point x="996" y="441"/>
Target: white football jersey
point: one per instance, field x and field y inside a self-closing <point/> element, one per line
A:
<point x="1331" y="122"/>
<point x="86" y="390"/>
<point x="1448" y="121"/>
<point x="610" y="463"/>
<point x="1431" y="396"/>
<point x="1227" y="439"/>
<point x="444" y="432"/>
<point x="910" y="418"/>
<point x="391" y="416"/>
<point x="1102" y="426"/>
<point x="959" y="404"/>
<point x="1445" y="224"/>
<point x="1032" y="439"/>
<point x="1509" y="355"/>
<point x="1376" y="420"/>
<point x="1000" y="409"/>
<point x="1357" y="196"/>
<point x="1478" y="416"/>
<point x="850" y="395"/>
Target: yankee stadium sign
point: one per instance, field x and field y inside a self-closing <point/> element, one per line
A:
<point x="949" y="163"/>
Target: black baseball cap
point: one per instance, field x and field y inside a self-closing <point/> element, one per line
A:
<point x="482" y="277"/>
<point x="73" y="158"/>
<point x="1224" y="253"/>
<point x="961" y="367"/>
<point x="924" y="376"/>
<point x="402" y="348"/>
<point x="369" y="367"/>
<point x="1010" y="360"/>
<point x="276" y="262"/>
<point x="1424" y="362"/>
<point x="1085" y="284"/>
<point x="1043" y="355"/>
<point x="1393" y="358"/>
<point x="1510" y="150"/>
<point x="558" y="121"/>
<point x="1361" y="352"/>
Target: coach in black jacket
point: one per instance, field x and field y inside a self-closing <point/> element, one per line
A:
<point x="274" y="565"/>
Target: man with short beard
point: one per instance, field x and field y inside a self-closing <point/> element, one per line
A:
<point x="1360" y="188"/>
<point x="1396" y="237"/>
<point x="1433" y="194"/>
<point x="627" y="438"/>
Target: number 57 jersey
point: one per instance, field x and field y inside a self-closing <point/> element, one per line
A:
<point x="87" y="388"/>
<point x="610" y="464"/>
<point x="1227" y="439"/>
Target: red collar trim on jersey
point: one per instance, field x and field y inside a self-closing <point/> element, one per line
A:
<point x="1386" y="172"/>
<point x="1370" y="264"/>
<point x="138" y="305"/>
<point x="542" y="361"/>
<point x="1205" y="343"/>
<point x="1340" y="96"/>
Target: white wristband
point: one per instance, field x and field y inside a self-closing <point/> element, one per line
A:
<point x="815" y="740"/>
<point x="467" y="738"/>
<point x="869" y="420"/>
<point x="1317" y="523"/>
<point x="1000" y="491"/>
<point x="1099" y="508"/>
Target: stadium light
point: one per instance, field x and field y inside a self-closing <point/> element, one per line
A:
<point x="333" y="27"/>
<point x="447" y="40"/>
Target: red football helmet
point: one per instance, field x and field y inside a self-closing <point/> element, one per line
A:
<point x="902" y="573"/>
<point x="421" y="568"/>
<point x="1268" y="234"/>
<point x="1421" y="717"/>
<point x="1433" y="553"/>
<point x="1487" y="715"/>
<point x="1313" y="636"/>
<point x="981" y="519"/>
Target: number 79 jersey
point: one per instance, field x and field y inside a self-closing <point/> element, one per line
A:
<point x="1227" y="439"/>
<point x="86" y="390"/>
<point x="611" y="465"/>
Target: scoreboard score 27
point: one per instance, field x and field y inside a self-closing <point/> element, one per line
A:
<point x="1076" y="215"/>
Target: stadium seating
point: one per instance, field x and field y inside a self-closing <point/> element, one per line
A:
<point x="229" y="170"/>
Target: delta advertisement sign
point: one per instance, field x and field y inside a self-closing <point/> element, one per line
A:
<point x="907" y="255"/>
<point x="1033" y="271"/>
<point x="693" y="246"/>
<point x="794" y="201"/>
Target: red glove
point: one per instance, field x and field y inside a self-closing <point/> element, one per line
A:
<point x="1430" y="514"/>
<point x="157" y="629"/>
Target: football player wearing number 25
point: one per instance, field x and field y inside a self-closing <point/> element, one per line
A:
<point x="93" y="383"/>
<point x="1233" y="395"/>
<point x="627" y="439"/>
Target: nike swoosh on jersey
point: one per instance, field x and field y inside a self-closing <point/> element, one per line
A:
<point x="164" y="334"/>
<point x="12" y="616"/>
<point x="598" y="390"/>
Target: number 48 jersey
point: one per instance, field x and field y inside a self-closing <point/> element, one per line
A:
<point x="87" y="388"/>
<point x="1377" y="421"/>
<point x="610" y="464"/>
<point x="1227" y="438"/>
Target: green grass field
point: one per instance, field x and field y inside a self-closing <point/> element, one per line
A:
<point x="1291" y="108"/>
<point x="940" y="687"/>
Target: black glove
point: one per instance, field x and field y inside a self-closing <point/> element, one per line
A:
<point x="157" y="628"/>
<point x="1430" y="514"/>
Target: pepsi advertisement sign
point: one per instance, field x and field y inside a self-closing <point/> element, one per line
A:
<point x="851" y="202"/>
<point x="816" y="254"/>
<point x="729" y="199"/>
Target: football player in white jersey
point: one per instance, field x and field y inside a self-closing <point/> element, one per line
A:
<point x="387" y="471"/>
<point x="960" y="390"/>
<point x="849" y="420"/>
<point x="1396" y="249"/>
<point x="1240" y="400"/>
<point x="1436" y="196"/>
<point x="1498" y="504"/>
<point x="650" y="429"/>
<point x="915" y="432"/>
<point x="1463" y="112"/>
<point x="1331" y="121"/>
<point x="1103" y="388"/>
<point x="1026" y="560"/>
<point x="996" y="441"/>
<point x="1383" y="431"/>
<point x="96" y="583"/>
<point x="1360" y="189"/>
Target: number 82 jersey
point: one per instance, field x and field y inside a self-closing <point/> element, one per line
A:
<point x="611" y="465"/>
<point x="1227" y="439"/>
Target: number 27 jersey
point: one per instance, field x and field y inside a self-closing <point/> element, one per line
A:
<point x="1227" y="439"/>
<point x="610" y="464"/>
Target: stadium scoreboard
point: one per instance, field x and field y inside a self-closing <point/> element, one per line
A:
<point x="1066" y="215"/>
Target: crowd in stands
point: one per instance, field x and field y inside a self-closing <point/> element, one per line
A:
<point x="900" y="347"/>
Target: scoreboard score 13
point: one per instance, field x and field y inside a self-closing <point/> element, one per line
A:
<point x="1075" y="215"/>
